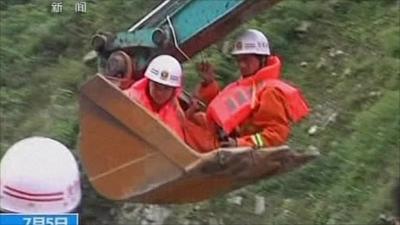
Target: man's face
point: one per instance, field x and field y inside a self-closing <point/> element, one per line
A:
<point x="249" y="64"/>
<point x="160" y="93"/>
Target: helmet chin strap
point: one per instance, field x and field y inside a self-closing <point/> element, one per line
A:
<point x="263" y="61"/>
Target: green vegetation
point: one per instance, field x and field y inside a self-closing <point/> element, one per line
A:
<point x="345" y="55"/>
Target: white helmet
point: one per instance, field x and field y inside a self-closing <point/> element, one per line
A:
<point x="165" y="69"/>
<point x="39" y="175"/>
<point x="251" y="42"/>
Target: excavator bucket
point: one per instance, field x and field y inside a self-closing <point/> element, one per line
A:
<point x="129" y="155"/>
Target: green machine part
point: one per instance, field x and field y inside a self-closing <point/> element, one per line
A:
<point x="181" y="28"/>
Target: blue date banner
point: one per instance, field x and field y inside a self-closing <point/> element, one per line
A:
<point x="39" y="219"/>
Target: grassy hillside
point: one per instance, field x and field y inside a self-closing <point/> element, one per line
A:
<point x="345" y="55"/>
<point x="41" y="65"/>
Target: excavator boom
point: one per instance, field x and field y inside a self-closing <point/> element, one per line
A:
<point x="182" y="28"/>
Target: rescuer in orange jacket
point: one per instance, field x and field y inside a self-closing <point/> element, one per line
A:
<point x="258" y="109"/>
<point x="158" y="92"/>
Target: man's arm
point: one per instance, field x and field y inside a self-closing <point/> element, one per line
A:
<point x="272" y="116"/>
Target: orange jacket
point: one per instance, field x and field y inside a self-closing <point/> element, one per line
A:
<point x="198" y="136"/>
<point x="268" y="122"/>
<point x="168" y="113"/>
